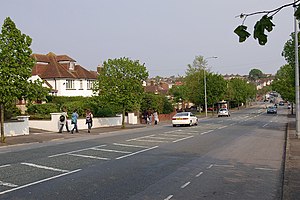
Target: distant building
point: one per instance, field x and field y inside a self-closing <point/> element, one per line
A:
<point x="63" y="76"/>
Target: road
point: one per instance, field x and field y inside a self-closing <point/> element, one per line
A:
<point x="237" y="157"/>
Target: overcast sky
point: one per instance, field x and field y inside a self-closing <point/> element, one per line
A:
<point x="166" y="35"/>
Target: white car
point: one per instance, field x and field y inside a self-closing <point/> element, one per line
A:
<point x="184" y="118"/>
<point x="223" y="112"/>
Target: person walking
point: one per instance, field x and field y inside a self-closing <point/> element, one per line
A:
<point x="155" y="115"/>
<point x="89" y="119"/>
<point x="63" y="121"/>
<point x="74" y="121"/>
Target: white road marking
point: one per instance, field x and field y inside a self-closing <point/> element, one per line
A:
<point x="66" y="153"/>
<point x="130" y="145"/>
<point x="145" y="140"/>
<point x="169" y="197"/>
<point x="45" y="167"/>
<point x="136" y="152"/>
<point x="222" y="127"/>
<point x="7" y="184"/>
<point x="229" y="166"/>
<point x="110" y="150"/>
<point x="265" y="169"/>
<point x="172" y="135"/>
<point x="199" y="174"/>
<point x="182" y="139"/>
<point x="184" y="185"/>
<point x="139" y="138"/>
<point x="86" y="156"/>
<point x="2" y="166"/>
<point x="210" y="166"/>
<point x="37" y="182"/>
<point x="265" y="125"/>
<point x="163" y="138"/>
<point x="207" y="132"/>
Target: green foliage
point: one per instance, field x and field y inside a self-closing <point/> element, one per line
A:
<point x="156" y="102"/>
<point x="120" y="83"/>
<point x="263" y="24"/>
<point x="42" y="109"/>
<point x="11" y="110"/>
<point x="284" y="82"/>
<point x="255" y="74"/>
<point x="297" y="13"/>
<point x="240" y="91"/>
<point x="242" y="32"/>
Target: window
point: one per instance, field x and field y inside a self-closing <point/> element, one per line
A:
<point x="81" y="85"/>
<point x="90" y="84"/>
<point x="70" y="84"/>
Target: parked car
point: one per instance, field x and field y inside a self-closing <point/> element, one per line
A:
<point x="271" y="110"/>
<point x="223" y="112"/>
<point x="184" y="118"/>
<point x="281" y="103"/>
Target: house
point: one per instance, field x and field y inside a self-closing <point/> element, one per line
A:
<point x="63" y="76"/>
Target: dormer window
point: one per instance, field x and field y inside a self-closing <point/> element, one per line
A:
<point x="72" y="66"/>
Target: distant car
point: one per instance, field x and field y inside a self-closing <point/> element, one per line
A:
<point x="223" y="112"/>
<point x="289" y="106"/>
<point x="271" y="110"/>
<point x="281" y="103"/>
<point x="184" y="118"/>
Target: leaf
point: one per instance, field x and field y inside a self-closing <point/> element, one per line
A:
<point x="242" y="33"/>
<point x="263" y="24"/>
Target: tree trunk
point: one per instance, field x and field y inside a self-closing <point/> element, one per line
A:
<point x="2" y="123"/>
<point x="123" y="118"/>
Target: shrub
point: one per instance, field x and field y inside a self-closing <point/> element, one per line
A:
<point x="43" y="109"/>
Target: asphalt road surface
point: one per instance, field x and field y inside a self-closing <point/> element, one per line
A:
<point x="236" y="157"/>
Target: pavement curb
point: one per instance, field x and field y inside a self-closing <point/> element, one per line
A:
<point x="285" y="188"/>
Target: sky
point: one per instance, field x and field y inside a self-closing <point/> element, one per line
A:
<point x="165" y="35"/>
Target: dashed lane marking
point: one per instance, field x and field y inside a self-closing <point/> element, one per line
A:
<point x="2" y="166"/>
<point x="199" y="174"/>
<point x="169" y="197"/>
<point x="7" y="184"/>
<point x="184" y="185"/>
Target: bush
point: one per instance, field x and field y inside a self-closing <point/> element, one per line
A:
<point x="44" y="109"/>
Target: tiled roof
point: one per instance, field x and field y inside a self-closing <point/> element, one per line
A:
<point x="54" y="69"/>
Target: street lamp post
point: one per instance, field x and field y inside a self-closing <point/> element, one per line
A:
<point x="297" y="78"/>
<point x="205" y="96"/>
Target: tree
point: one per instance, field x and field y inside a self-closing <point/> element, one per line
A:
<point x="15" y="66"/>
<point x="284" y="82"/>
<point x="240" y="91"/>
<point x="255" y="74"/>
<point x="120" y="83"/>
<point x="263" y="25"/>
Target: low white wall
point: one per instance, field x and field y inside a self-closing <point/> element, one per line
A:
<point x="53" y="124"/>
<point x="18" y="127"/>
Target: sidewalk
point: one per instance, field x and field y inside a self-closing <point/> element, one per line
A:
<point x="291" y="182"/>
<point x="40" y="136"/>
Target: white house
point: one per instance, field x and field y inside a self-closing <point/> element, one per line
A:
<point x="63" y="76"/>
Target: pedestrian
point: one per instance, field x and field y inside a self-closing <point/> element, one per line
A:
<point x="155" y="115"/>
<point x="89" y="119"/>
<point x="63" y="121"/>
<point x="149" y="118"/>
<point x="74" y="121"/>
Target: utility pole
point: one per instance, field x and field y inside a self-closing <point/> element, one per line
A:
<point x="297" y="75"/>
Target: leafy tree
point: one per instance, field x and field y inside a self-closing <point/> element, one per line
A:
<point x="160" y="103"/>
<point x="263" y="25"/>
<point x="284" y="82"/>
<point x="120" y="83"/>
<point x="15" y="66"/>
<point x="216" y="88"/>
<point x="240" y="90"/>
<point x="179" y="93"/>
<point x="255" y="74"/>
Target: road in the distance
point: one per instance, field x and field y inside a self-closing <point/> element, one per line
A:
<point x="239" y="157"/>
